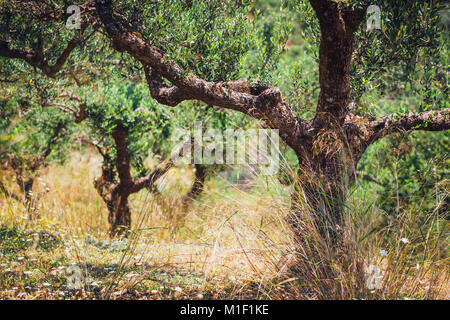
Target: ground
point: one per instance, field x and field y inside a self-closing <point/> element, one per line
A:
<point x="232" y="244"/>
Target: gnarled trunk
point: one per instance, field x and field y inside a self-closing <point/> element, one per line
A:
<point x="115" y="193"/>
<point x="326" y="172"/>
<point x="321" y="199"/>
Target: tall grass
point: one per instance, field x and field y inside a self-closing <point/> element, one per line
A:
<point x="232" y="243"/>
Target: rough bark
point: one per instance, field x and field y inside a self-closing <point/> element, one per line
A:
<point x="119" y="213"/>
<point x="434" y="120"/>
<point x="327" y="161"/>
<point x="337" y="27"/>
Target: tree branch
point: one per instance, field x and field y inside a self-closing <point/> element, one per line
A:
<point x="81" y="115"/>
<point x="159" y="171"/>
<point x="366" y="176"/>
<point x="435" y="120"/>
<point x="162" y="93"/>
<point x="9" y="194"/>
<point x="37" y="59"/>
<point x="100" y="150"/>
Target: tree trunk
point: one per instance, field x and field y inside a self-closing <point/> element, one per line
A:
<point x="119" y="214"/>
<point x="321" y="189"/>
<point x="27" y="190"/>
<point x="115" y="194"/>
<point x="323" y="204"/>
<point x="197" y="186"/>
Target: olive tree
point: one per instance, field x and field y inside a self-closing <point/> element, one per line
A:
<point x="124" y="124"/>
<point x="42" y="40"/>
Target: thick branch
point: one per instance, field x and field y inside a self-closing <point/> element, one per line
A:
<point x="162" y="93"/>
<point x="337" y="26"/>
<point x="159" y="171"/>
<point x="124" y="38"/>
<point x="436" y="120"/>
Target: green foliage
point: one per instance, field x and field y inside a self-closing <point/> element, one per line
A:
<point x="127" y="104"/>
<point x="33" y="130"/>
<point x="22" y="30"/>
<point x="208" y="38"/>
<point x="412" y="171"/>
<point x="408" y="53"/>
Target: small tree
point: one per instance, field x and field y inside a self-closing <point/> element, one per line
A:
<point x="123" y="123"/>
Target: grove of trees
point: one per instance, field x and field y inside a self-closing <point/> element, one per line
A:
<point x="135" y="70"/>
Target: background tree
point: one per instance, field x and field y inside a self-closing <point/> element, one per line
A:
<point x="123" y="123"/>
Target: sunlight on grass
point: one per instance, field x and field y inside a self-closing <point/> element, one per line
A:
<point x="233" y="243"/>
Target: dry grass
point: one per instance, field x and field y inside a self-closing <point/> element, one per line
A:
<point x="231" y="244"/>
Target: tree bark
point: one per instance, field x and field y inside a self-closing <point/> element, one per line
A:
<point x="320" y="197"/>
<point x="119" y="213"/>
<point x="115" y="197"/>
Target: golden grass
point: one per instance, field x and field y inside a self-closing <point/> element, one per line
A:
<point x="231" y="244"/>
